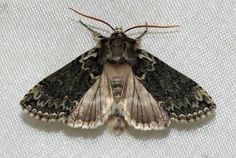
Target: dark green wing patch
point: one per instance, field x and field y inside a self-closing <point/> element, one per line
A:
<point x="55" y="96"/>
<point x="182" y="98"/>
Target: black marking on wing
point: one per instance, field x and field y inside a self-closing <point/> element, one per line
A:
<point x="56" y="95"/>
<point x="182" y="98"/>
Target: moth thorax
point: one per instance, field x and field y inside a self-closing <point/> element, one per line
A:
<point x="117" y="48"/>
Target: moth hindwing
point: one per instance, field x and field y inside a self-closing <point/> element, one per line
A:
<point x="120" y="83"/>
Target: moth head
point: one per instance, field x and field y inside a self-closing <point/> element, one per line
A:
<point x="118" y="47"/>
<point x="118" y="43"/>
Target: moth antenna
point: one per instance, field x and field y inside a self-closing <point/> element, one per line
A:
<point x="90" y="17"/>
<point x="152" y="26"/>
<point x="140" y="36"/>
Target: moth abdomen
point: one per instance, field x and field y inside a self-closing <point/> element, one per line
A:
<point x="117" y="124"/>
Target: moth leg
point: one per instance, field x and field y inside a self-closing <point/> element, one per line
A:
<point x="96" y="35"/>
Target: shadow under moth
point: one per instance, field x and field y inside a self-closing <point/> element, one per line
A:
<point x="119" y="83"/>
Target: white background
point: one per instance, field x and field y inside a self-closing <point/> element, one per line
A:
<point x="37" y="37"/>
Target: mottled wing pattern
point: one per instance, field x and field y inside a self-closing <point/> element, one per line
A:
<point x="182" y="98"/>
<point x="55" y="97"/>
<point x="141" y="110"/>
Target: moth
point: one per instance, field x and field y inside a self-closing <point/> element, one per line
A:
<point x="119" y="83"/>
